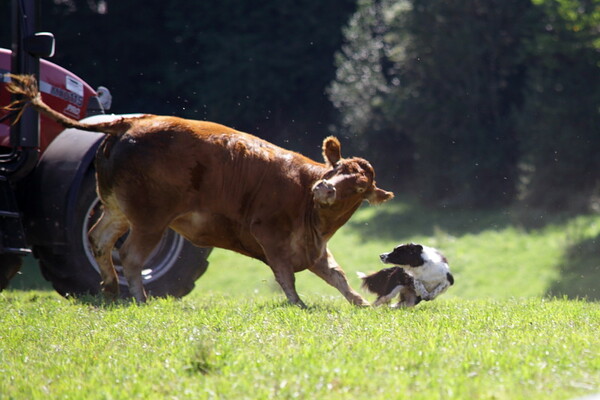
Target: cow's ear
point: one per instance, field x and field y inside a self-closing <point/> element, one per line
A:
<point x="332" y="150"/>
<point x="378" y="196"/>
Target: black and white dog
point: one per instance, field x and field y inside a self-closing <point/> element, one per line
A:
<point x="420" y="273"/>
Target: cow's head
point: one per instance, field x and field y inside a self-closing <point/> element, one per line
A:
<point x="347" y="181"/>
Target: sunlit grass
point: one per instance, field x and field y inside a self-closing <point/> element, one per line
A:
<point x="498" y="333"/>
<point x="235" y="348"/>
<point x="491" y="254"/>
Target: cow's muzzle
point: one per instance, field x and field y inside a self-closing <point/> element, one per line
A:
<point x="324" y="192"/>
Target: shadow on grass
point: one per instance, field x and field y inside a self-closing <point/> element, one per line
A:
<point x="29" y="277"/>
<point x="100" y="302"/>
<point x="405" y="219"/>
<point x="282" y="304"/>
<point x="579" y="272"/>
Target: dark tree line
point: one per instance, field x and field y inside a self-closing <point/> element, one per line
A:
<point x="259" y="66"/>
<point x="460" y="102"/>
<point x="477" y="103"/>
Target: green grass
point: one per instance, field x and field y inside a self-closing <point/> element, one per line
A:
<point x="236" y="348"/>
<point x="499" y="333"/>
<point x="491" y="254"/>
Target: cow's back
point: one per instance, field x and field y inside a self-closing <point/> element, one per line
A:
<point x="213" y="181"/>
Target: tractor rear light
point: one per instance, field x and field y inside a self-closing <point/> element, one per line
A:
<point x="100" y="103"/>
<point x="105" y="97"/>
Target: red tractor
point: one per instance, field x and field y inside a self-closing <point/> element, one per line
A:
<point x="48" y="199"/>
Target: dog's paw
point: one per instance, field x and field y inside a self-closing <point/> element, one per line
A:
<point x="403" y="304"/>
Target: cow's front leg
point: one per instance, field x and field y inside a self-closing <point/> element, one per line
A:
<point x="286" y="279"/>
<point x="277" y="258"/>
<point x="328" y="269"/>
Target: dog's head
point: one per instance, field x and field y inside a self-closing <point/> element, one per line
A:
<point x="422" y="262"/>
<point x="405" y="255"/>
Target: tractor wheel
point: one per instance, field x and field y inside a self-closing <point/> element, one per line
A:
<point x="172" y="269"/>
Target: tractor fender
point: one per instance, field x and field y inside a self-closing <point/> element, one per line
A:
<point x="49" y="195"/>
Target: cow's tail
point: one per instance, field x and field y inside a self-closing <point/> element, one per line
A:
<point x="26" y="87"/>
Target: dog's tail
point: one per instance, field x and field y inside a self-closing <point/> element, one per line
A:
<point x="378" y="281"/>
<point x="26" y="87"/>
<point x="370" y="282"/>
<point x="365" y="280"/>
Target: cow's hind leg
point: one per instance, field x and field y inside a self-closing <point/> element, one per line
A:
<point x="329" y="270"/>
<point x="135" y="251"/>
<point x="103" y="236"/>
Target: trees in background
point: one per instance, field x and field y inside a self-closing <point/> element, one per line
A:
<point x="460" y="102"/>
<point x="559" y="124"/>
<point x="259" y="66"/>
<point x="476" y="103"/>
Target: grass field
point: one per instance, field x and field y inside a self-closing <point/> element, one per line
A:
<point x="221" y="347"/>
<point x="514" y="326"/>
<point x="492" y="254"/>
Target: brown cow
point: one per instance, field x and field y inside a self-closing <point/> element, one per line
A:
<point x="218" y="187"/>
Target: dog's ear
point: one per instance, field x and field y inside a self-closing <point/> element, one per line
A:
<point x="407" y="254"/>
<point x="417" y="248"/>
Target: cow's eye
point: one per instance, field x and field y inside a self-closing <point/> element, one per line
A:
<point x="362" y="184"/>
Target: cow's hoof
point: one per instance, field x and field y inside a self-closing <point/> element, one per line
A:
<point x="361" y="303"/>
<point x="110" y="292"/>
<point x="299" y="304"/>
<point x="110" y="296"/>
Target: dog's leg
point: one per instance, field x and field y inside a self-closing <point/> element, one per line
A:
<point x="380" y="300"/>
<point x="428" y="296"/>
<point x="386" y="298"/>
<point x="421" y="291"/>
<point x="408" y="298"/>
<point x="439" y="289"/>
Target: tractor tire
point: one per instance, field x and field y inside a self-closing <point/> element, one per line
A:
<point x="171" y="270"/>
